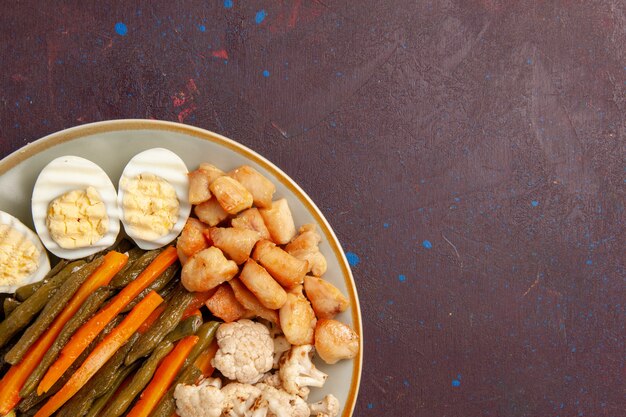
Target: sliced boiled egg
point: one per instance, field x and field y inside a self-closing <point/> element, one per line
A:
<point x="23" y="259"/>
<point x="153" y="197"/>
<point x="74" y="207"/>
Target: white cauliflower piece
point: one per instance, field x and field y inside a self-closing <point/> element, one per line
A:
<point x="204" y="400"/>
<point x="243" y="400"/>
<point x="246" y="351"/>
<point x="328" y="407"/>
<point x="297" y="372"/>
<point x="283" y="404"/>
<point x="281" y="345"/>
<point x="273" y="380"/>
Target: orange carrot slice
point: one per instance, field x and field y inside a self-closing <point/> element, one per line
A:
<point x="152" y="318"/>
<point x="88" y="331"/>
<point x="14" y="380"/>
<point x="163" y="377"/>
<point x="102" y="353"/>
<point x="203" y="363"/>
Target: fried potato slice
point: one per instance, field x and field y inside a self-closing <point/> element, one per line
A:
<point x="261" y="188"/>
<point x="232" y="196"/>
<point x="251" y="219"/>
<point x="262" y="285"/>
<point x="305" y="246"/>
<point x="335" y="341"/>
<point x="279" y="221"/>
<point x="235" y="243"/>
<point x="247" y="299"/>
<point x="210" y="212"/>
<point x="297" y="318"/>
<point x="191" y="240"/>
<point x="224" y="305"/>
<point x="288" y="270"/>
<point x="326" y="299"/>
<point x="207" y="269"/>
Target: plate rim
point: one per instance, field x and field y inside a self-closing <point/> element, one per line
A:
<point x="66" y="135"/>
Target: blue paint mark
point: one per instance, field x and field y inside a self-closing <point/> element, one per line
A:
<point x="458" y="376"/>
<point x="202" y="28"/>
<point x="266" y="73"/>
<point x="370" y="406"/>
<point x="339" y="74"/>
<point x="487" y="76"/>
<point x="402" y="278"/>
<point x="589" y="262"/>
<point x="353" y="258"/>
<point x="121" y="29"/>
<point x="456" y="383"/>
<point x="427" y="244"/>
<point x="406" y="383"/>
<point x="334" y="124"/>
<point x="228" y="4"/>
<point x="534" y="203"/>
<point x="386" y="225"/>
<point x="529" y="61"/>
<point x="260" y="16"/>
<point x="390" y="302"/>
<point x="457" y="199"/>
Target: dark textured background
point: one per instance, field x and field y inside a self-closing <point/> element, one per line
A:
<point x="470" y="156"/>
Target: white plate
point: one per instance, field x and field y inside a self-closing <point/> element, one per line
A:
<point x="112" y="144"/>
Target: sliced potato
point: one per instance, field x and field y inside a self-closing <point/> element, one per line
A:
<point x="279" y="221"/>
<point x="191" y="240"/>
<point x="297" y="319"/>
<point x="335" y="341"/>
<point x="211" y="171"/>
<point x="251" y="219"/>
<point x="232" y="196"/>
<point x="224" y="305"/>
<point x="198" y="187"/>
<point x="207" y="269"/>
<point x="262" y="285"/>
<point x="250" y="302"/>
<point x="326" y="299"/>
<point x="210" y="212"/>
<point x="286" y="269"/>
<point x="305" y="246"/>
<point x="261" y="188"/>
<point x="235" y="243"/>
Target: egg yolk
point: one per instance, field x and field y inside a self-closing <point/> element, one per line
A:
<point x="77" y="219"/>
<point x="150" y="206"/>
<point x="18" y="256"/>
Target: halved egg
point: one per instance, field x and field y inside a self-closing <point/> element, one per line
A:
<point x="23" y="259"/>
<point x="153" y="197"/>
<point x="74" y="207"/>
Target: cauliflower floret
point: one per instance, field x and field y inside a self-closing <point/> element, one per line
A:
<point x="246" y="351"/>
<point x="243" y="400"/>
<point x="281" y="345"/>
<point x="297" y="372"/>
<point x="328" y="407"/>
<point x="273" y="380"/>
<point x="204" y="400"/>
<point x="283" y="404"/>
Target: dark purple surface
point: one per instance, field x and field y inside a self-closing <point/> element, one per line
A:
<point x="469" y="155"/>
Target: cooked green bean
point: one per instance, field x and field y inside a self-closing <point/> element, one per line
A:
<point x="98" y="385"/>
<point x="22" y="293"/>
<point x="139" y="381"/>
<point x="89" y="307"/>
<point x="55" y="305"/>
<point x="9" y="305"/>
<point x="166" y="322"/>
<point x="157" y="285"/>
<point x="25" y="312"/>
<point x="167" y="406"/>
<point x="185" y="328"/>
<point x="122" y="279"/>
<point x="102" y="401"/>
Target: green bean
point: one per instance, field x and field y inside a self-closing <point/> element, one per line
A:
<point x="157" y="285"/>
<point x="22" y="293"/>
<point x="89" y="307"/>
<point x="185" y="328"/>
<point x="166" y="322"/>
<point x="9" y="305"/>
<point x="139" y="381"/>
<point x="25" y="312"/>
<point x="167" y="406"/>
<point x="102" y="401"/>
<point x="169" y="289"/>
<point x="121" y="280"/>
<point x="98" y="385"/>
<point x="55" y="305"/>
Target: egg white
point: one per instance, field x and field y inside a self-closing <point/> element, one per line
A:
<point x="170" y="167"/>
<point x="43" y="261"/>
<point x="63" y="175"/>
